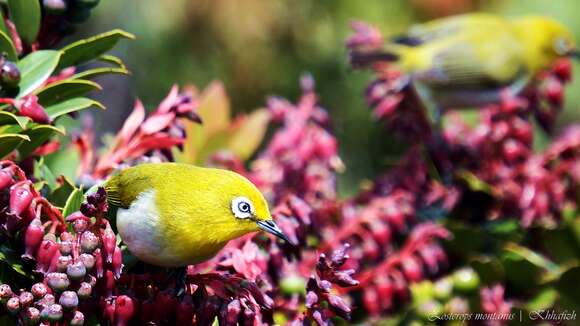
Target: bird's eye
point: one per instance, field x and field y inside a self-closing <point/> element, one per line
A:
<point x="562" y="46"/>
<point x="242" y="207"/>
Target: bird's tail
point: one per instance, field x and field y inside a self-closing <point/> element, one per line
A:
<point x="360" y="59"/>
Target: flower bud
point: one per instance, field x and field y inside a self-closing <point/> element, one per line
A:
<point x="5" y="292"/>
<point x="9" y="75"/>
<point x="33" y="238"/>
<point x="88" y="209"/>
<point x="412" y="269"/>
<point x="89" y="242"/>
<point x="117" y="262"/>
<point x="249" y="317"/>
<point x="66" y="248"/>
<point x="80" y="226"/>
<point x="85" y="290"/>
<point x="20" y="198"/>
<point x="311" y="299"/>
<point x="371" y="301"/>
<point x="76" y="271"/>
<point x="68" y="300"/>
<point x="339" y="306"/>
<point x="13" y="305"/>
<point x="66" y="236"/>
<point x="29" y="107"/>
<point x="109" y="244"/>
<point x="54" y="7"/>
<point x="563" y="69"/>
<point x="125" y="310"/>
<point x="39" y="290"/>
<point x="58" y="282"/>
<point x="109" y="310"/>
<point x="109" y="282"/>
<point x="185" y="311"/>
<point x="45" y="301"/>
<point x="465" y="280"/>
<point x="54" y="312"/>
<point x="88" y="260"/>
<point x="6" y="178"/>
<point x="26" y="298"/>
<point x="78" y="319"/>
<point x="99" y="263"/>
<point x="233" y="312"/>
<point x="62" y="263"/>
<point x="48" y="248"/>
<point x="31" y="316"/>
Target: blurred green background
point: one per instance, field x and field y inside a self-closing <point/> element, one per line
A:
<point x="261" y="47"/>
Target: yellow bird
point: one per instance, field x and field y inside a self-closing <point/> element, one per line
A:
<point x="173" y="215"/>
<point x="468" y="60"/>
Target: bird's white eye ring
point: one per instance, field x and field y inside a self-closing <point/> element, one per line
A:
<point x="242" y="207"/>
<point x="562" y="46"/>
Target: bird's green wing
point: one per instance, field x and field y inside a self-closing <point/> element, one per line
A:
<point x="480" y="58"/>
<point x="123" y="188"/>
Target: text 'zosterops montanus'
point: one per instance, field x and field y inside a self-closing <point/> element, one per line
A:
<point x="172" y="214"/>
<point x="468" y="60"/>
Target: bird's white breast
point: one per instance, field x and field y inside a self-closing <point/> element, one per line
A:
<point x="139" y="227"/>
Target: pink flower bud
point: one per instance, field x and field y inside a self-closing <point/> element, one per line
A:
<point x="109" y="310"/>
<point x="54" y="312"/>
<point x="78" y="319"/>
<point x="66" y="236"/>
<point x="554" y="92"/>
<point x="29" y="107"/>
<point x="20" y="197"/>
<point x="33" y="238"/>
<point x="48" y="248"/>
<point x="109" y="282"/>
<point x="311" y="299"/>
<point x="233" y="312"/>
<point x="39" y="290"/>
<point x="371" y="301"/>
<point x="5" y="292"/>
<point x="125" y="310"/>
<point x="339" y="306"/>
<point x="68" y="300"/>
<point x="31" y="316"/>
<point x="80" y="225"/>
<point x="109" y="244"/>
<point x="26" y="298"/>
<point x="88" y="260"/>
<point x="58" y="282"/>
<point x="99" y="262"/>
<point x="6" y="178"/>
<point x="249" y="317"/>
<point x="563" y="69"/>
<point x="165" y="304"/>
<point x="84" y="291"/>
<point x="66" y="248"/>
<point x="62" y="263"/>
<point x="412" y="269"/>
<point x="89" y="242"/>
<point x="117" y="262"/>
<point x="76" y="271"/>
<point x="13" y="305"/>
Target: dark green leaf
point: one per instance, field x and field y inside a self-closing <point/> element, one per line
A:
<point x="11" y="257"/>
<point x="6" y="46"/>
<point x="26" y="16"/>
<point x="72" y="105"/>
<point x="60" y="195"/>
<point x="35" y="69"/>
<point x="9" y="142"/>
<point x="92" y="73"/>
<point x="3" y="27"/>
<point x="567" y="287"/>
<point x="38" y="135"/>
<point x="489" y="269"/>
<point x="107" y="58"/>
<point x="89" y="49"/>
<point x="43" y="172"/>
<point x="543" y="300"/>
<point x="65" y="90"/>
<point x="8" y="118"/>
<point x="73" y="203"/>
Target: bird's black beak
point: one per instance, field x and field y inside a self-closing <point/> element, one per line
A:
<point x="271" y="227"/>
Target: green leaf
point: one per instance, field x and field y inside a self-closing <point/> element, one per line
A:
<point x="6" y="46"/>
<point x="38" y="135"/>
<point x="35" y="69"/>
<point x="9" y="142"/>
<point x="473" y="182"/>
<point x="107" y="58"/>
<point x="26" y="16"/>
<point x="8" y="118"/>
<point x="61" y="194"/>
<point x="43" y="173"/>
<point x="92" y="73"/>
<point x="73" y="203"/>
<point x="567" y="287"/>
<point x="543" y="300"/>
<point x="11" y="258"/>
<point x="65" y="90"/>
<point x="89" y="49"/>
<point x="249" y="135"/>
<point x="3" y="27"/>
<point x="533" y="257"/>
<point x="72" y="105"/>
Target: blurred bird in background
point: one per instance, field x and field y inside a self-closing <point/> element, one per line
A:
<point x="473" y="59"/>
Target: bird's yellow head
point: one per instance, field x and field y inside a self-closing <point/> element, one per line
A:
<point x="545" y="40"/>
